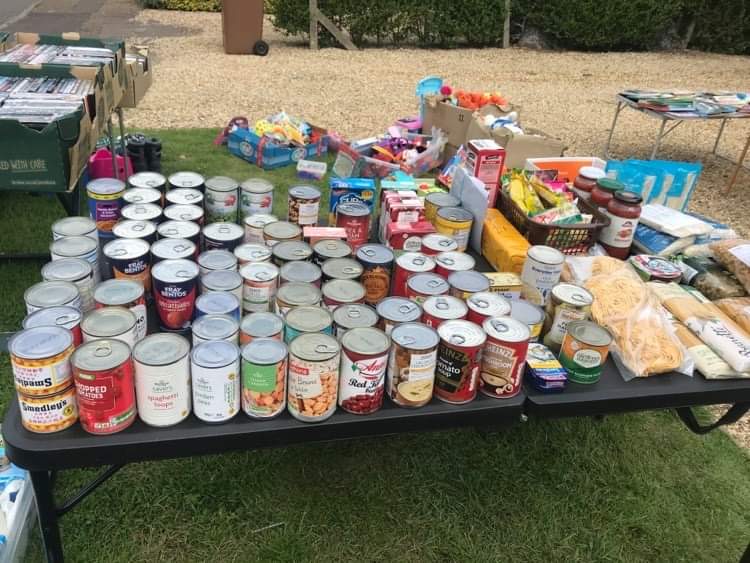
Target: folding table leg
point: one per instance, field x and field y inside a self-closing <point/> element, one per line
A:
<point x="737" y="167"/>
<point x="47" y="513"/>
<point x="659" y="137"/>
<point x="612" y="129"/>
<point x="718" y="137"/>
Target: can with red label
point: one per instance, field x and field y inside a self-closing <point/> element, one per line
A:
<point x="124" y="293"/>
<point x="407" y="265"/>
<point x="260" y="282"/>
<point x="504" y="357"/>
<point x="421" y="286"/>
<point x="448" y="262"/>
<point x="66" y="317"/>
<point x="440" y="308"/>
<point x="103" y="375"/>
<point x="364" y="359"/>
<point x="486" y="305"/>
<point x="180" y="229"/>
<point x="394" y="311"/>
<point x="175" y="290"/>
<point x="377" y="268"/>
<point x="458" y="361"/>
<point x="261" y="325"/>
<point x="129" y="259"/>
<point x="435" y="243"/>
<point x="465" y="284"/>
<point x="339" y="292"/>
<point x="354" y="218"/>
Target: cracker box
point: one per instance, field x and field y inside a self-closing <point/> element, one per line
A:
<point x="347" y="190"/>
<point x="315" y="234"/>
<point x="485" y="160"/>
<point x="407" y="236"/>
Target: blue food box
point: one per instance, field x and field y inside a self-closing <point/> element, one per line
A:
<point x="347" y="190"/>
<point x="267" y="154"/>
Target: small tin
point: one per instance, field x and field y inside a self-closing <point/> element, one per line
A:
<point x="584" y="351"/>
<point x="162" y="379"/>
<point x="254" y="225"/>
<point x="435" y="243"/>
<point x="292" y="295"/>
<point x="448" y="262"/>
<point x="65" y="317"/>
<point x="187" y="180"/>
<point x="175" y="290"/>
<point x="132" y="229"/>
<point x="217" y="259"/>
<point x="301" y="320"/>
<point x="438" y="200"/>
<point x="340" y="292"/>
<point x="40" y="359"/>
<point x="455" y="222"/>
<point x="176" y="212"/>
<point x="222" y="199"/>
<point x="441" y="308"/>
<point x="408" y="264"/>
<point x="141" y="195"/>
<point x="301" y="272"/>
<point x="530" y="315"/>
<point x="421" y="286"/>
<point x="223" y="280"/>
<point x="79" y="246"/>
<point x="256" y="196"/>
<point x="458" y="361"/>
<point x="147" y="180"/>
<point x="330" y="248"/>
<point x="465" y="284"/>
<point x="354" y="218"/>
<point x="180" y="229"/>
<point x="172" y="249"/>
<point x="222" y="235"/>
<point x="541" y="272"/>
<point x="411" y="364"/>
<point x="116" y="323"/>
<point x="142" y="212"/>
<point x="353" y="315"/>
<point x="261" y="325"/>
<point x="105" y="202"/>
<point x="342" y="269"/>
<point x="568" y="303"/>
<point x="75" y="227"/>
<point x="184" y="196"/>
<point x="252" y="253"/>
<point x="76" y="271"/>
<point x="290" y="251"/>
<point x="218" y="303"/>
<point x="364" y="360"/>
<point x="280" y="231"/>
<point x="215" y="327"/>
<point x="303" y="205"/>
<point x="215" y="377"/>
<point x="260" y="282"/>
<point x="52" y="413"/>
<point x="103" y="375"/>
<point x="377" y="268"/>
<point x="52" y="294"/>
<point x="503" y="357"/>
<point x="264" y="367"/>
<point x="128" y="294"/>
<point x="313" y="377"/>
<point x="394" y="311"/>
<point x="486" y="305"/>
<point x="129" y="259"/>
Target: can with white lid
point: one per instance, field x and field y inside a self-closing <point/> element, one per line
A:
<point x="52" y="294"/>
<point x="180" y="229"/>
<point x="394" y="311"/>
<point x="223" y="280"/>
<point x="541" y="272"/>
<point x="40" y="358"/>
<point x="254" y="225"/>
<point x="261" y="325"/>
<point x="215" y="369"/>
<point x="216" y="259"/>
<point x="256" y="196"/>
<point x="221" y="201"/>
<point x="135" y="229"/>
<point x="504" y="357"/>
<point x="151" y="180"/>
<point x="129" y="259"/>
<point x="66" y="317"/>
<point x="264" y="367"/>
<point x="215" y="327"/>
<point x="184" y="196"/>
<point x="300" y="272"/>
<point x="186" y="180"/>
<point x="75" y="227"/>
<point x="142" y="195"/>
<point x="142" y="212"/>
<point x="182" y="212"/>
<point x="74" y="270"/>
<point x="260" y="282"/>
<point x="172" y="249"/>
<point x="313" y="377"/>
<point x="111" y="323"/>
<point x="222" y="235"/>
<point x="251" y="253"/>
<point x="78" y="246"/>
<point x="486" y="305"/>
<point x="124" y="293"/>
<point x="441" y="308"/>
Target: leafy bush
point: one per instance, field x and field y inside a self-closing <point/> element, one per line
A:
<point x="184" y="5"/>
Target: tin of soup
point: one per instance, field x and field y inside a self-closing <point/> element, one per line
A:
<point x="52" y="413"/>
<point x="141" y="195"/>
<point x="105" y="202"/>
<point x="75" y="227"/>
<point x="291" y="251"/>
<point x="330" y="248"/>
<point x="292" y="295"/>
<point x="116" y="323"/>
<point x="185" y="196"/>
<point x="411" y="364"/>
<point x="354" y="218"/>
<point x="394" y="311"/>
<point x="280" y="231"/>
<point x="180" y="229"/>
<point x="217" y="259"/>
<point x="300" y="272"/>
<point x="377" y="268"/>
<point x="434" y="244"/>
<point x="175" y="290"/>
<point x="459" y="360"/>
<point x="128" y="294"/>
<point x="222" y="199"/>
<point x="530" y="315"/>
<point x="364" y="360"/>
<point x="441" y="308"/>
<point x="162" y="379"/>
<point x="223" y="280"/>
<point x="52" y="294"/>
<point x="261" y="325"/>
<point x="40" y="358"/>
<point x="313" y="377"/>
<point x="421" y="286"/>
<point x="541" y="272"/>
<point x="408" y="264"/>
<point x="448" y="262"/>
<point x="215" y="327"/>
<point x="65" y="317"/>
<point x="340" y="292"/>
<point x="264" y="367"/>
<point x="353" y="315"/>
<point x="438" y="200"/>
<point x="103" y="374"/>
<point x="301" y="320"/>
<point x="455" y="222"/>
<point x="303" y="205"/>
<point x="172" y="249"/>
<point x="186" y="180"/>
<point x="503" y="357"/>
<point x="251" y="253"/>
<point x="76" y="271"/>
<point x="142" y="212"/>
<point x="148" y="180"/>
<point x="256" y="196"/>
<point x="177" y="212"/>
<point x="584" y="351"/>
<point x="132" y="229"/>
<point x="82" y="247"/>
<point x="254" y="225"/>
<point x="222" y="235"/>
<point x="341" y="269"/>
<point x="260" y="282"/>
<point x="129" y="259"/>
<point x="568" y="303"/>
<point x="215" y="369"/>
<point x="486" y="305"/>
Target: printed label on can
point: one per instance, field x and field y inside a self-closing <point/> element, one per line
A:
<point x="620" y="231"/>
<point x="362" y="383"/>
<point x="377" y="282"/>
<point x="216" y="392"/>
<point x="263" y="389"/>
<point x="105" y="212"/>
<point x="175" y="302"/>
<point x="253" y="203"/>
<point x="163" y="392"/>
<point x="563" y="316"/>
<point x="456" y="373"/>
<point x="45" y="415"/>
<point x="221" y="207"/>
<point x="411" y="376"/>
<point x="106" y="402"/>
<point x="308" y="213"/>
<point x="141" y="320"/>
<point x="43" y="376"/>
<point x="313" y="388"/>
<point x="502" y="367"/>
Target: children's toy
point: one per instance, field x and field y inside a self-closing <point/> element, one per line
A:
<point x="311" y="169"/>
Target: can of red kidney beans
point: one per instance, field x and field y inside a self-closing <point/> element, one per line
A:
<point x="377" y="264"/>
<point x="407" y="265"/>
<point x="448" y="262"/>
<point x="435" y="243"/>
<point x="441" y="308"/>
<point x="172" y="249"/>
<point x="330" y="248"/>
<point x="486" y="305"/>
<point x="458" y="361"/>
<point x="264" y="367"/>
<point x="301" y="272"/>
<point x="261" y="325"/>
<point x="175" y="290"/>
<point x="504" y="357"/>
<point x="222" y="235"/>
<point x="260" y="282"/>
<point x="215" y="374"/>
<point x="342" y="269"/>
<point x="354" y="218"/>
<point x="133" y="229"/>
<point x="180" y="229"/>
<point x="103" y="375"/>
<point x="465" y="284"/>
<point x="340" y="292"/>
<point x="129" y="259"/>
<point x="421" y="286"/>
<point x="124" y="293"/>
<point x="65" y="317"/>
<point x="364" y="359"/>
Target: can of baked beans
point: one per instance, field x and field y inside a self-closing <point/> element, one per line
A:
<point x="340" y="292"/>
<point x="448" y="262"/>
<point x="394" y="311"/>
<point x="141" y="195"/>
<point x="411" y="364"/>
<point x="458" y="361"/>
<point x="377" y="268"/>
<point x="162" y="379"/>
<point x="103" y="375"/>
<point x="292" y="295"/>
<point x="83" y="247"/>
<point x="280" y="231"/>
<point x="186" y="180"/>
<point x="75" y="227"/>
<point x="353" y="315"/>
<point x="180" y="229"/>
<point x="216" y="259"/>
<point x="142" y="212"/>
<point x="172" y="249"/>
<point x="251" y="253"/>
<point x="434" y="244"/>
<point x="256" y="196"/>
<point x="465" y="284"/>
<point x="307" y="319"/>
<point x="303" y="205"/>
<point x="260" y="282"/>
<point x="116" y="323"/>
<point x="301" y="272"/>
<point x="223" y="280"/>
<point x="128" y="294"/>
<point x="503" y="357"/>
<point x="215" y="327"/>
<point x="52" y="294"/>
<point x="530" y="315"/>
<point x="40" y="359"/>
<point x="364" y="359"/>
<point x="184" y="196"/>
<point x="254" y="225"/>
<point x="264" y="367"/>
<point x="129" y="259"/>
<point x="192" y="213"/>
<point x="441" y="308"/>
<point x="421" y="286"/>
<point x="438" y="200"/>
<point x="314" y="361"/>
<point x="48" y="414"/>
<point x="290" y="251"/>
<point x="76" y="271"/>
<point x="261" y="325"/>
<point x="330" y="248"/>
<point x="132" y="229"/>
<point x="65" y="317"/>
<point x="215" y="376"/>
<point x="175" y="290"/>
<point x="342" y="269"/>
<point x="486" y="305"/>
<point x="455" y="222"/>
<point x="218" y="303"/>
<point x="105" y="202"/>
<point x="354" y="218"/>
<point x="408" y="264"/>
<point x="222" y="235"/>
<point x="222" y="199"/>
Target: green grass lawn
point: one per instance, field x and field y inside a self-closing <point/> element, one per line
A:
<point x="636" y="487"/>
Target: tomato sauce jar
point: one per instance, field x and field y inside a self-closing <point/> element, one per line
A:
<point x="407" y="265"/>
<point x="459" y="358"/>
<point x="354" y="218"/>
<point x="421" y="286"/>
<point x="364" y="359"/>
<point x="623" y="211"/>
<point x="586" y="180"/>
<point x="604" y="191"/>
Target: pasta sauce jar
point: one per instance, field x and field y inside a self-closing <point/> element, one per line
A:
<point x="623" y="211"/>
<point x="604" y="191"/>
<point x="586" y="180"/>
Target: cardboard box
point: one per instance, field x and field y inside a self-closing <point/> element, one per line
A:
<point x="351" y="163"/>
<point x="454" y="121"/>
<point x="268" y="154"/>
<point x="360" y="190"/>
<point x="139" y="75"/>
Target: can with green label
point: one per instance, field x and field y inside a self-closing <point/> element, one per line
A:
<point x="264" y="367"/>
<point x="584" y="351"/>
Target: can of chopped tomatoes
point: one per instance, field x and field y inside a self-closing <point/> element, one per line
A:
<point x="175" y="290"/>
<point x="364" y="359"/>
<point x="407" y="265"/>
<point x="458" y="361"/>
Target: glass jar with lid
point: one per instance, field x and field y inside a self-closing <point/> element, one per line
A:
<point x="604" y="190"/>
<point x="586" y="180"/>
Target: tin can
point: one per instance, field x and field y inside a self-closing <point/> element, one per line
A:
<point x="83" y="247"/>
<point x="307" y="319"/>
<point x="280" y="231"/>
<point x="117" y="323"/>
<point x="568" y="303"/>
<point x="52" y="294"/>
<point x="264" y="367"/>
<point x="408" y="264"/>
<point x="377" y="268"/>
<point x="421" y="286"/>
<point x="541" y="272"/>
<point x="141" y="195"/>
<point x="162" y="379"/>
<point x="260" y="282"/>
<point x="364" y="360"/>
<point x="254" y="226"/>
<point x="142" y="212"/>
<point x="215" y="375"/>
<point x="103" y="375"/>
<point x="530" y="315"/>
<point x="132" y="229"/>
<point x="76" y="271"/>
<point x="341" y="292"/>
<point x="40" y="358"/>
<point x="455" y="222"/>
<point x="342" y="269"/>
<point x="148" y="180"/>
<point x="290" y="251"/>
<point x="292" y="295"/>
<point x="441" y="308"/>
<point x="486" y="305"/>
<point x="175" y="290"/>
<point x="438" y="200"/>
<point x="584" y="351"/>
<point x="223" y="280"/>
<point x="52" y="413"/>
<point x="187" y="180"/>
<point x="458" y="361"/>
<point x="184" y="196"/>
<point x="180" y="229"/>
<point x="129" y="259"/>
<point x="217" y="259"/>
<point x="222" y="235"/>
<point x="222" y="200"/>
<point x="181" y="212"/>
<point x="394" y="311"/>
<point x="435" y="243"/>
<point x="503" y="357"/>
<point x="354" y="218"/>
<point x="218" y="303"/>
<point x="128" y="294"/>
<point x="300" y="272"/>
<point x="75" y="227"/>
<point x="105" y="202"/>
<point x="303" y="205"/>
<point x="172" y="249"/>
<point x="65" y="317"/>
<point x="252" y="253"/>
<point x="313" y="377"/>
<point x="330" y="248"/>
<point x="465" y="284"/>
<point x="215" y="327"/>
<point x="256" y="196"/>
<point x="448" y="262"/>
<point x="411" y="364"/>
<point x="261" y="325"/>
<point x="353" y="315"/>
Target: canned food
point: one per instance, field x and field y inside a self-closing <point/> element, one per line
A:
<point x="105" y="202"/>
<point x="83" y="247"/>
<point x="162" y="379"/>
<point x="172" y="249"/>
<point x="280" y="231"/>
<point x="303" y="205"/>
<point x="411" y="364"/>
<point x="364" y="359"/>
<point x="52" y="294"/>
<point x="567" y="303"/>
<point x="394" y="311"/>
<point x="251" y="253"/>
<point x="222" y="280"/>
<point x="129" y="259"/>
<point x="434" y="244"/>
<point x="215" y="327"/>
<point x="175" y="290"/>
<point x="52" y="413"/>
<point x="260" y="282"/>
<point x="217" y="259"/>
<point x="292" y="295"/>
<point x="353" y="315"/>
<point x="65" y="317"/>
<point x="222" y="195"/>
<point x="142" y="212"/>
<point x="341" y="269"/>
<point x="131" y="229"/>
<point x="330" y="248"/>
<point x="180" y="229"/>
<point x="186" y="180"/>
<point x="291" y="251"/>
<point x="408" y="264"/>
<point x="40" y="359"/>
<point x="124" y="293"/>
<point x="182" y="212"/>
<point x="421" y="286"/>
<point x="530" y="315"/>
<point x="486" y="305"/>
<point x="261" y="325"/>
<point x="300" y="272"/>
<point x="148" y="180"/>
<point x="254" y="225"/>
<point x="354" y="218"/>
<point x="341" y="292"/>
<point x="313" y="377"/>
<point x="215" y="369"/>
<point x="584" y="351"/>
<point x="75" y="227"/>
<point x="448" y="262"/>
<point x="503" y="357"/>
<point x="438" y="309"/>
<point x="455" y="222"/>
<point x="465" y="284"/>
<point x="218" y="303"/>
<point x="264" y="366"/>
<point x="256" y="196"/>
<point x="377" y="267"/>
<point x="541" y="272"/>
<point x="103" y="375"/>
<point x="141" y="195"/>
<point x="76" y="271"/>
<point x="438" y="200"/>
<point x="185" y="196"/>
<point x="301" y="320"/>
<point x="110" y="323"/>
<point x="222" y="235"/>
<point x="458" y="361"/>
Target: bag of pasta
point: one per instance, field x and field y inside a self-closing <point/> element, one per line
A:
<point x="738" y="309"/>
<point x="734" y="255"/>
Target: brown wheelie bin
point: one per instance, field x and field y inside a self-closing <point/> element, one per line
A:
<point x="242" y="26"/>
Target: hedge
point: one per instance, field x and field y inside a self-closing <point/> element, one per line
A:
<point x="184" y="5"/>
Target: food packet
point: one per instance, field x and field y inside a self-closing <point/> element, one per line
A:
<point x="734" y="255"/>
<point x="711" y="279"/>
<point x="738" y="309"/>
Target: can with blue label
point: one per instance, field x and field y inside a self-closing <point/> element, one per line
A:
<point x="218" y="303"/>
<point x="302" y="320"/>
